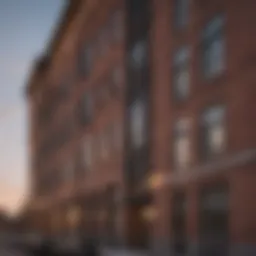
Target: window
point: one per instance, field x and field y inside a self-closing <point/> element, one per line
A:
<point x="116" y="80"/>
<point x="104" y="146"/>
<point x="139" y="54"/>
<point x="213" y="216"/>
<point x="138" y="123"/>
<point x="179" y="224"/>
<point x="88" y="152"/>
<point x="103" y="41"/>
<point x="182" y="157"/>
<point x="117" y="25"/>
<point x="181" y="78"/>
<point x="69" y="172"/>
<point x="85" y="60"/>
<point x="213" y="48"/>
<point x="181" y="10"/>
<point x="87" y="108"/>
<point x="118" y="134"/>
<point x="117" y="75"/>
<point x="214" y="131"/>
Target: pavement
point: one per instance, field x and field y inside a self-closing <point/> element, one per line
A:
<point x="10" y="252"/>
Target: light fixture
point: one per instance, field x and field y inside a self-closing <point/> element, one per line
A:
<point x="149" y="213"/>
<point x="156" y="181"/>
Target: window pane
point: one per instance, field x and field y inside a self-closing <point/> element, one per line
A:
<point x="182" y="144"/>
<point x="88" y="151"/>
<point x="117" y="25"/>
<point x="182" y="84"/>
<point x="181" y="73"/>
<point x="213" y="48"/>
<point x="68" y="172"/>
<point x="181" y="13"/>
<point x="138" y="123"/>
<point x="138" y="54"/>
<point x="85" y="60"/>
<point x="214" y="129"/>
<point x="104" y="145"/>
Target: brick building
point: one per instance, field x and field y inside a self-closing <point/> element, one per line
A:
<point x="143" y="126"/>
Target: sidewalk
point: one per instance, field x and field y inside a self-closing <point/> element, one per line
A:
<point x="112" y="252"/>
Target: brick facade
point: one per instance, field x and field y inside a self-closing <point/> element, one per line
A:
<point x="88" y="23"/>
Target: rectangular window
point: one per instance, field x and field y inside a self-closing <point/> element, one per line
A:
<point x="182" y="149"/>
<point x="138" y="123"/>
<point x="116" y="81"/>
<point x="117" y="27"/>
<point x="214" y="218"/>
<point x="118" y="134"/>
<point x="213" y="60"/>
<point x="69" y="172"/>
<point x="138" y="55"/>
<point x="88" y="161"/>
<point x="213" y="131"/>
<point x="181" y="11"/>
<point x="104" y="144"/>
<point x="103" y="41"/>
<point x="86" y="108"/>
<point x="179" y="225"/>
<point x="181" y="79"/>
<point x="85" y="60"/>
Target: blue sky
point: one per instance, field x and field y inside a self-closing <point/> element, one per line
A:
<point x="25" y="28"/>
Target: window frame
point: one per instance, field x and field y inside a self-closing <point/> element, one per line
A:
<point x="213" y="32"/>
<point x="181" y="14"/>
<point x="207" y="150"/>
<point x="178" y="134"/>
<point x="139" y="102"/>
<point x="181" y="65"/>
<point x="85" y="59"/>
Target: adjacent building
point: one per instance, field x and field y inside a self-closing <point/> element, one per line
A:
<point x="143" y="126"/>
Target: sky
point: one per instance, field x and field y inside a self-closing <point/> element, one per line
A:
<point x="25" y="29"/>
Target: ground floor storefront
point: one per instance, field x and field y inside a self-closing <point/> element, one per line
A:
<point x="210" y="215"/>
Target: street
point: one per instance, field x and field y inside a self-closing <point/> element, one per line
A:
<point x="10" y="252"/>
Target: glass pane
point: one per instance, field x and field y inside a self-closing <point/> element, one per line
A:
<point x="181" y="73"/>
<point x="217" y="139"/>
<point x="138" y="54"/>
<point x="182" y="144"/>
<point x="182" y="153"/>
<point x="181" y="13"/>
<point x="214" y="52"/>
<point x="214" y="27"/>
<point x="138" y="123"/>
<point x="182" y="84"/>
<point x="217" y="57"/>
<point x="214" y="115"/>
